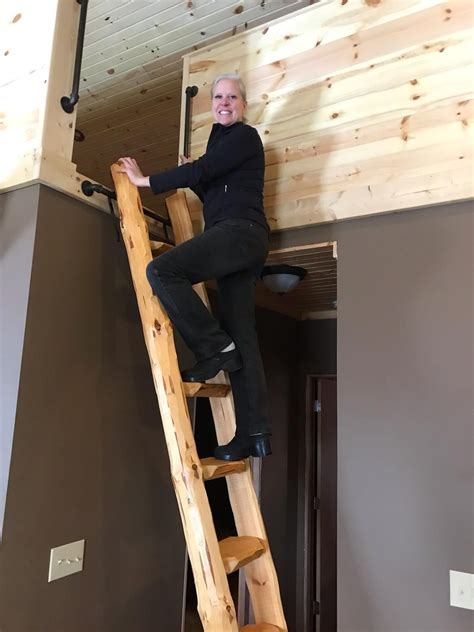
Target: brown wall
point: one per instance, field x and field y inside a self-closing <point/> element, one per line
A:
<point x="278" y="341"/>
<point x="316" y="356"/>
<point x="98" y="468"/>
<point x="290" y="350"/>
<point x="405" y="423"/>
<point x="89" y="459"/>
<point x="405" y="430"/>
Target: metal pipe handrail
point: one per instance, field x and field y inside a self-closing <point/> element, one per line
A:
<point x="190" y="92"/>
<point x="89" y="188"/>
<point x="68" y="103"/>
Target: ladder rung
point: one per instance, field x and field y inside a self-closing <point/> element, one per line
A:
<point x="159" y="247"/>
<point x="239" y="551"/>
<point x="261" y="627"/>
<point x="202" y="389"/>
<point x="214" y="468"/>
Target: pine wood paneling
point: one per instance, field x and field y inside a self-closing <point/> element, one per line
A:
<point x="131" y="79"/>
<point x="363" y="107"/>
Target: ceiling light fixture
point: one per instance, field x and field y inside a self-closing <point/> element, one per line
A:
<point x="282" y="278"/>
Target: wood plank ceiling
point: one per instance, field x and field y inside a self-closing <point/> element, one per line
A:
<point x="130" y="101"/>
<point x="132" y="72"/>
<point x="316" y="294"/>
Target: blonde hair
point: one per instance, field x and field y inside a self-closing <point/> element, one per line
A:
<point x="232" y="76"/>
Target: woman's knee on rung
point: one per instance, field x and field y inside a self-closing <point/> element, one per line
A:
<point x="159" y="268"/>
<point x="155" y="275"/>
<point x="161" y="274"/>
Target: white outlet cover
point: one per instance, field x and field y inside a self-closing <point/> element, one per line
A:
<point x="461" y="589"/>
<point x="66" y="560"/>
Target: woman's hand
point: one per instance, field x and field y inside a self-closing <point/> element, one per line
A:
<point x="183" y="160"/>
<point x="133" y="171"/>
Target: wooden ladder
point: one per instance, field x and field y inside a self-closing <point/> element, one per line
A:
<point x="211" y="560"/>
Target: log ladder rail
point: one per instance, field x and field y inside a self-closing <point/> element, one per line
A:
<point x="210" y="560"/>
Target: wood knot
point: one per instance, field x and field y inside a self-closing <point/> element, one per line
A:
<point x="157" y="325"/>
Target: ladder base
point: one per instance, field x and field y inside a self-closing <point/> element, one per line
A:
<point x="261" y="627"/>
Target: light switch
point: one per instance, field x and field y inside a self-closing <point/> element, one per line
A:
<point x="461" y="587"/>
<point x="66" y="560"/>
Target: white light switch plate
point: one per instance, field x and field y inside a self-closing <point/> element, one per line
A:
<point x="66" y="560"/>
<point x="461" y="588"/>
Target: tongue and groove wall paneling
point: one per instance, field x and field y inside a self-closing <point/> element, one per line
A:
<point x="364" y="106"/>
<point x="132" y="75"/>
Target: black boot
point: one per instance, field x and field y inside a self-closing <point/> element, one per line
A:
<point x="242" y="447"/>
<point x="207" y="369"/>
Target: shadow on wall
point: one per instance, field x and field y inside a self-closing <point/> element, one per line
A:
<point x="17" y="234"/>
<point x="295" y="166"/>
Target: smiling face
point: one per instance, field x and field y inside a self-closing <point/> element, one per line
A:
<point x="228" y="105"/>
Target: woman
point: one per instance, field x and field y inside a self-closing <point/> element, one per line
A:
<point x="228" y="179"/>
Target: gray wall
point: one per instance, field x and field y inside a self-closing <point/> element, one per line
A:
<point x="89" y="458"/>
<point x="17" y="233"/>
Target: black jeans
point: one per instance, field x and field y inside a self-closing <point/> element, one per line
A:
<point x="233" y="252"/>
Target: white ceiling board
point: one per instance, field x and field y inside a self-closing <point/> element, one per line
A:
<point x="137" y="46"/>
<point x="118" y="46"/>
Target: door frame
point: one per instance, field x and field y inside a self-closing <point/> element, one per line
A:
<point x="312" y="382"/>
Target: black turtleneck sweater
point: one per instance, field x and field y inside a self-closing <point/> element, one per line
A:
<point x="228" y="178"/>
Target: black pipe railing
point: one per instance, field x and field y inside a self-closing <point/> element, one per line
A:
<point x="68" y="103"/>
<point x="190" y="92"/>
<point x="89" y="188"/>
